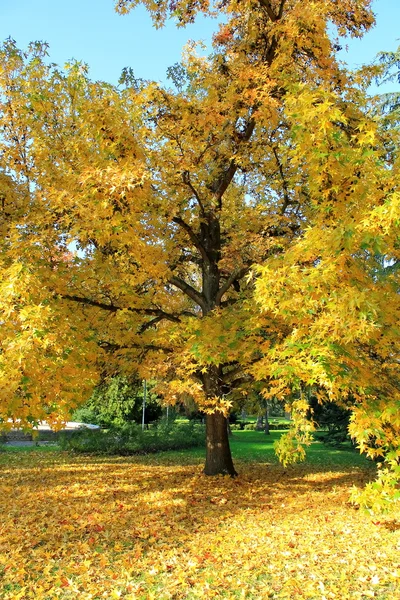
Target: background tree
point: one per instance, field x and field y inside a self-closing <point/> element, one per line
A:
<point x="119" y="400"/>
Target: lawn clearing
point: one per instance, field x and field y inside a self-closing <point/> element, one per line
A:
<point x="156" y="527"/>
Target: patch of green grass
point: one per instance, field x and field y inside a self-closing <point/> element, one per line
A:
<point x="40" y="448"/>
<point x="246" y="446"/>
<point x="258" y="447"/>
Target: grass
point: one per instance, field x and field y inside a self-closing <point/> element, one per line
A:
<point x="154" y="527"/>
<point x="246" y="446"/>
<point x="255" y="446"/>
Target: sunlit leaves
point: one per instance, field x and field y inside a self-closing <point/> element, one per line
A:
<point x="138" y="223"/>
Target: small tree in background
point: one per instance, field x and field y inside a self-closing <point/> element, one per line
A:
<point x="118" y="401"/>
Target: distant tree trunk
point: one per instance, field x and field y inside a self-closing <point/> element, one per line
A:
<point x="259" y="424"/>
<point x="228" y="425"/>
<point x="266" y="428"/>
<point x="218" y="452"/>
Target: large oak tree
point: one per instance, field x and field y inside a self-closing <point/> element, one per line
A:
<point x="211" y="233"/>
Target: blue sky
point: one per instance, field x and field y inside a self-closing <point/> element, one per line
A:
<point x="91" y="31"/>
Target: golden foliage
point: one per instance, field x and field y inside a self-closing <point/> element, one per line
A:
<point x="228" y="229"/>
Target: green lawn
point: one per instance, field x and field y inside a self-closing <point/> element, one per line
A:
<point x="255" y="446"/>
<point x="246" y="446"/>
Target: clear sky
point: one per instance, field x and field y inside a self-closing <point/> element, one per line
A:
<point x="90" y="30"/>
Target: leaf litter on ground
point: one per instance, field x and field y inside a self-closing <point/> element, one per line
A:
<point x="138" y="528"/>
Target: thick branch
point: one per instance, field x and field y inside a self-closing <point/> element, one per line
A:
<point x="221" y="185"/>
<point x="267" y="5"/>
<point x="193" y="237"/>
<point x="157" y="312"/>
<point x="235" y="276"/>
<point x="89" y="302"/>
<point x="282" y="6"/>
<point x="112" y="347"/>
<point x="187" y="289"/>
<point x="232" y="374"/>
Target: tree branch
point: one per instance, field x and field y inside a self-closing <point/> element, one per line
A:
<point x="235" y="276"/>
<point x="267" y="5"/>
<point x="161" y="317"/>
<point x="187" y="181"/>
<point x="187" y="289"/>
<point x="150" y="324"/>
<point x="89" y="302"/>
<point x="286" y="196"/>
<point x="112" y="347"/>
<point x="221" y="185"/>
<point x="193" y="237"/>
<point x="156" y="312"/>
<point x="282" y="6"/>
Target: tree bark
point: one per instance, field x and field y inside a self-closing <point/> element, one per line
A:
<point x="218" y="452"/>
<point x="266" y="428"/>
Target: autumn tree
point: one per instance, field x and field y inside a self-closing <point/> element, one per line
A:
<point x="224" y="227"/>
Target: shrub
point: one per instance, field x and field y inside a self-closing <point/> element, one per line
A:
<point x="235" y="427"/>
<point x="335" y="421"/>
<point x="86" y="414"/>
<point x="130" y="439"/>
<point x="278" y="426"/>
<point x="250" y="427"/>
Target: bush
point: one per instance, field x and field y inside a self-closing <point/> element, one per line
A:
<point x="86" y="414"/>
<point x="235" y="427"/>
<point x="250" y="427"/>
<point x="130" y="439"/>
<point x="335" y="421"/>
<point x="279" y="426"/>
<point x="243" y="426"/>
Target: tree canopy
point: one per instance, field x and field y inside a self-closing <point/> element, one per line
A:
<point x="239" y="224"/>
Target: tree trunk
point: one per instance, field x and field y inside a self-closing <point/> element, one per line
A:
<point x="260" y="424"/>
<point x="218" y="453"/>
<point x="266" y="428"/>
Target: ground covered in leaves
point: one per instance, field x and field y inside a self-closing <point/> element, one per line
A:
<point x="153" y="527"/>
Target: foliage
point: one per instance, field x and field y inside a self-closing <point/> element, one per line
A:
<point x="335" y="420"/>
<point x="130" y="439"/>
<point x="140" y="529"/>
<point x="228" y="231"/>
<point x="120" y="400"/>
<point x="85" y="414"/>
<point x="253" y="426"/>
<point x="290" y="447"/>
<point x="389" y="103"/>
